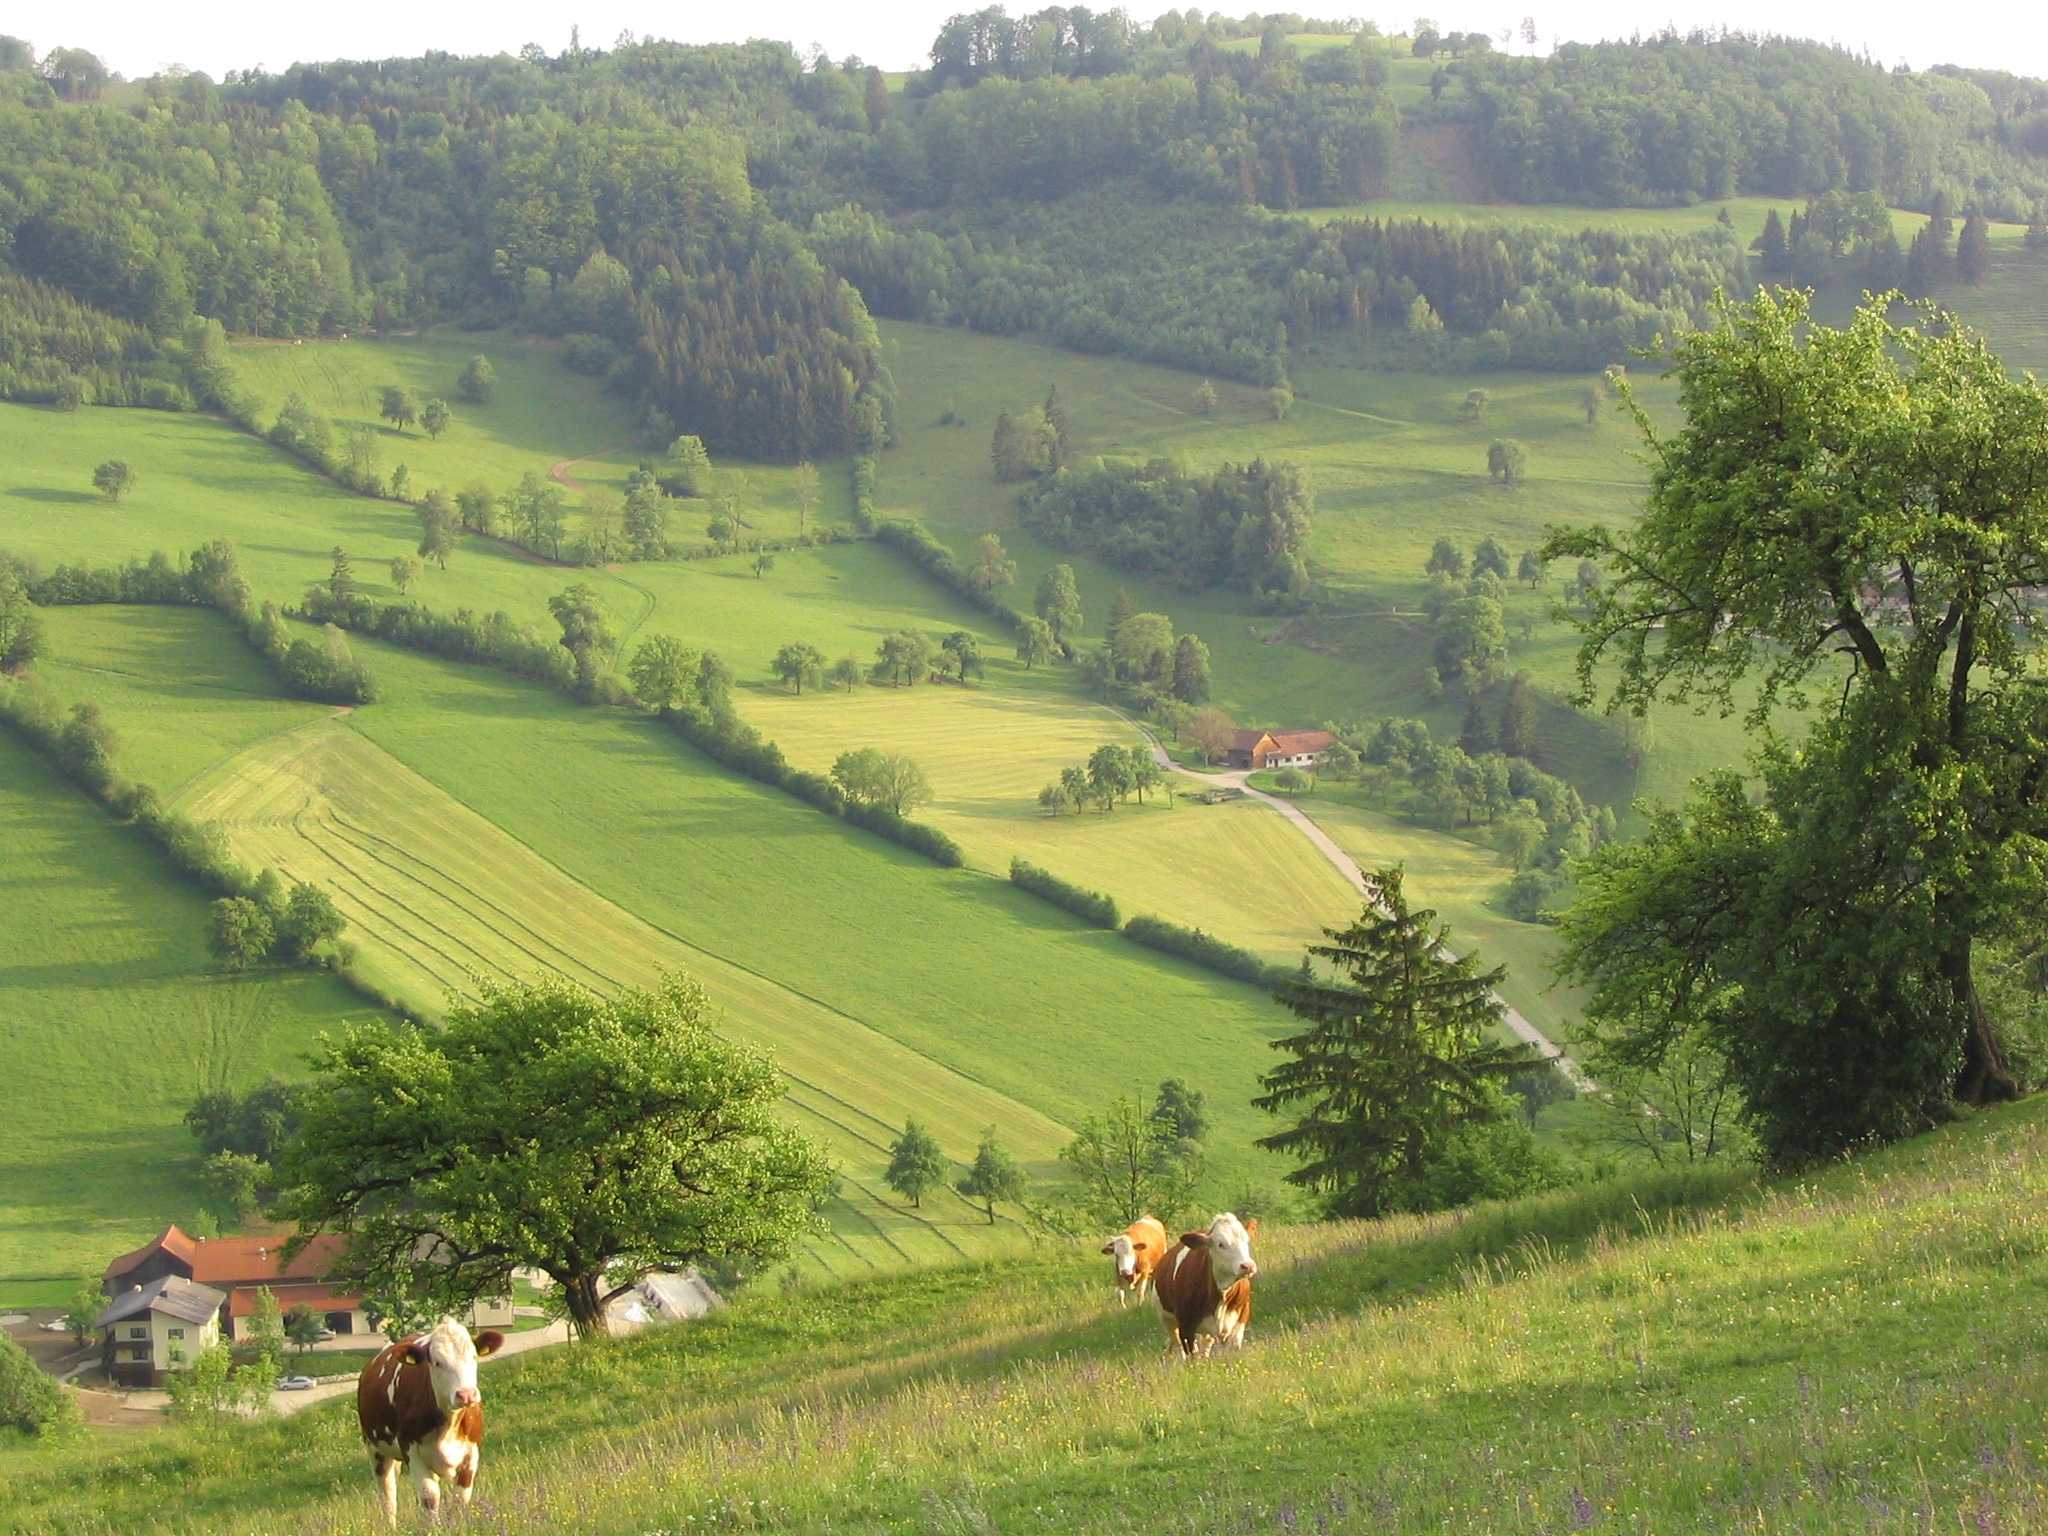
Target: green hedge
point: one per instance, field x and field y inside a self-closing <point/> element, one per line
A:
<point x="1079" y="900"/>
<point x="1205" y="949"/>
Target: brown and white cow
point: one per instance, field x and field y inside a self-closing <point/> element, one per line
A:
<point x="1137" y="1251"/>
<point x="420" y="1408"/>
<point x="1204" y="1285"/>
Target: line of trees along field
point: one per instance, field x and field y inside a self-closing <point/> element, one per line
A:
<point x="690" y="217"/>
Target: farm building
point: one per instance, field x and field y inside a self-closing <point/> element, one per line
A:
<point x="1279" y="749"/>
<point x="236" y="1268"/>
<point x="156" y="1327"/>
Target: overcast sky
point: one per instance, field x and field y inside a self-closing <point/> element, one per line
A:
<point x="137" y="37"/>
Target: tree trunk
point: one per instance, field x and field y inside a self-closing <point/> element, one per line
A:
<point x="1983" y="1078"/>
<point x="586" y="1309"/>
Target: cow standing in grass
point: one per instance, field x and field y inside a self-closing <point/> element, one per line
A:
<point x="1204" y="1285"/>
<point x="1137" y="1251"/>
<point x="420" y="1407"/>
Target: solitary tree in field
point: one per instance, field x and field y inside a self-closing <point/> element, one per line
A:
<point x="961" y="654"/>
<point x="1860" y="514"/>
<point x="399" y="406"/>
<point x="1213" y="732"/>
<point x="1059" y="603"/>
<point x="915" y="1164"/>
<point x="405" y="570"/>
<point x="476" y="504"/>
<point x="1396" y="1056"/>
<point x="114" y="479"/>
<point x="663" y="672"/>
<point x="1507" y="461"/>
<point x="1205" y="399"/>
<point x="240" y="933"/>
<point x="1973" y="250"/>
<point x="848" y="673"/>
<point x="545" y="1127"/>
<point x="994" y="1177"/>
<point x="1128" y="1164"/>
<point x="890" y="780"/>
<point x="904" y="657"/>
<point x="992" y="571"/>
<point x="805" y="483"/>
<point x="476" y="381"/>
<point x="797" y="664"/>
<point x="1474" y="408"/>
<point x="1034" y="643"/>
<point x="1445" y="559"/>
<point x="309" y="920"/>
<point x="21" y="627"/>
<point x="1532" y="569"/>
<point x="1490" y="558"/>
<point x="435" y="416"/>
<point x="763" y="564"/>
<point x="341" y="579"/>
<point x="1183" y="1108"/>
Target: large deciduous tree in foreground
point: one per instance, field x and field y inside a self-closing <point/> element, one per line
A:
<point x="1853" y="519"/>
<point x="545" y="1127"/>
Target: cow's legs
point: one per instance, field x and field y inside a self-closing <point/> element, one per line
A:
<point x="387" y="1487"/>
<point x="465" y="1478"/>
<point x="429" y="1483"/>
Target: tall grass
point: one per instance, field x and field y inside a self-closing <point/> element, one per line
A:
<point x="1858" y="1352"/>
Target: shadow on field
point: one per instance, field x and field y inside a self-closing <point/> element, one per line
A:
<point x="51" y="493"/>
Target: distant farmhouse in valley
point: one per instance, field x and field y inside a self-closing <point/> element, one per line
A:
<point x="1279" y="749"/>
<point x="149" y="1326"/>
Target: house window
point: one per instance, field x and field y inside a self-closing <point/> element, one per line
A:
<point x="177" y="1333"/>
<point x="138" y="1333"/>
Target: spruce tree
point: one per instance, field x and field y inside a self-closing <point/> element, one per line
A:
<point x="341" y="581"/>
<point x="1121" y="609"/>
<point x="1926" y="259"/>
<point x="1517" y="735"/>
<point x="1973" y="250"/>
<point x="1474" y="737"/>
<point x="1773" y="250"/>
<point x="1396" y="1060"/>
<point x="1058" y="431"/>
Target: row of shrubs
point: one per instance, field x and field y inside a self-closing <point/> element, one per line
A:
<point x="1192" y="944"/>
<point x="712" y="726"/>
<point x="211" y="577"/>
<point x="937" y="561"/>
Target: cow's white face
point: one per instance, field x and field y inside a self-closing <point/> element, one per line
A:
<point x="1125" y="1253"/>
<point x="1230" y="1250"/>
<point x="450" y="1356"/>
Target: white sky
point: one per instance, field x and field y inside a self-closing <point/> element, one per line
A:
<point x="137" y="37"/>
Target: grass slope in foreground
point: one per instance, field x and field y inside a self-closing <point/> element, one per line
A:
<point x="1862" y="1352"/>
<point x="112" y="1018"/>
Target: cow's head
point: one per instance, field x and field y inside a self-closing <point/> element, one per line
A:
<point x="1125" y="1252"/>
<point x="1229" y="1242"/>
<point x="450" y="1356"/>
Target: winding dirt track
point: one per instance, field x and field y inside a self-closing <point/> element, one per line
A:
<point x="1345" y="865"/>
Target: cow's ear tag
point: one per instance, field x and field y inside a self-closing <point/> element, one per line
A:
<point x="489" y="1342"/>
<point x="416" y="1352"/>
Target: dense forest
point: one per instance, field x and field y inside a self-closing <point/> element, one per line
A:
<point x="712" y="225"/>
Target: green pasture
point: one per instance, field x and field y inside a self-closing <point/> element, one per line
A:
<point x="1236" y="870"/>
<point x="112" y="1019"/>
<point x="181" y="687"/>
<point x="542" y="417"/>
<point x="1396" y="466"/>
<point x="437" y="899"/>
<point x="1860" y="1351"/>
<point x="982" y="980"/>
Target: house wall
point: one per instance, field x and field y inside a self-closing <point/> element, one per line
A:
<point x="176" y="1342"/>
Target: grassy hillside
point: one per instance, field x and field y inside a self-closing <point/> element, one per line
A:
<point x="542" y="416"/>
<point x="1862" y="1351"/>
<point x="1234" y="869"/>
<point x="112" y="1018"/>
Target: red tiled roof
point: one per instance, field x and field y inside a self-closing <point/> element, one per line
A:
<point x="1248" y="741"/>
<point x="172" y="1241"/>
<point x="1287" y="743"/>
<point x="321" y="1298"/>
<point x="232" y="1261"/>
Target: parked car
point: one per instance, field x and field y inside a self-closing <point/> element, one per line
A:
<point x="296" y="1384"/>
<point x="55" y="1325"/>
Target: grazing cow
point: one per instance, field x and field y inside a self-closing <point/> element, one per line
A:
<point x="420" y="1407"/>
<point x="1137" y="1251"/>
<point x="1204" y="1285"/>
